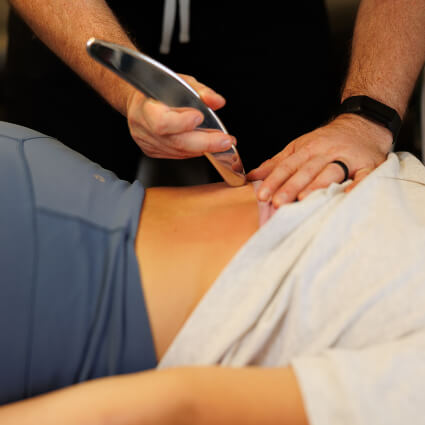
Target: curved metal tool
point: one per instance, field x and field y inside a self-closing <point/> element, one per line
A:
<point x="159" y="82"/>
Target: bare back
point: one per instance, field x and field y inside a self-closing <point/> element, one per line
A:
<point x="186" y="236"/>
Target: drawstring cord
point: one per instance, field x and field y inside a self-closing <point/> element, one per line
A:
<point x="168" y="21"/>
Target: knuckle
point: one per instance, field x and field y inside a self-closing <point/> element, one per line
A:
<point x="189" y="125"/>
<point x="160" y="127"/>
<point x="141" y="141"/>
<point x="309" y="170"/>
<point x="178" y="143"/>
<point x="208" y="145"/>
<point x="291" y="187"/>
<point x="285" y="169"/>
<point x="308" y="149"/>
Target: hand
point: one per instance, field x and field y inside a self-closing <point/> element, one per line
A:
<point x="306" y="163"/>
<point x="165" y="132"/>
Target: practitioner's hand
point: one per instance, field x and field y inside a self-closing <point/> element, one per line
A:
<point x="306" y="163"/>
<point x="165" y="132"/>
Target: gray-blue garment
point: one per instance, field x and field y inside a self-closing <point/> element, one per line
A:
<point x="71" y="303"/>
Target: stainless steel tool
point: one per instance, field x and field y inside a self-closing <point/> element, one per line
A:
<point x="161" y="83"/>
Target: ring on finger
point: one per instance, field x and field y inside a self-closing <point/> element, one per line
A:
<point x="344" y="167"/>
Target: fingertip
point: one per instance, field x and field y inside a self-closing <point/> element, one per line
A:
<point x="302" y="195"/>
<point x="264" y="194"/>
<point x="218" y="144"/>
<point x="198" y="120"/>
<point x="350" y="187"/>
<point x="276" y="204"/>
<point x="251" y="176"/>
<point x="219" y="100"/>
<point x="225" y="144"/>
<point x="279" y="199"/>
<point x="259" y="173"/>
<point x="211" y="98"/>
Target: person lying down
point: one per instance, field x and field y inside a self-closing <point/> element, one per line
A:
<point x="173" y="305"/>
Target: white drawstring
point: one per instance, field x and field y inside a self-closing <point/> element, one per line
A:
<point x="168" y="21"/>
<point x="184" y="6"/>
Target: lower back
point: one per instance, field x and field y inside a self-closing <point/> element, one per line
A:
<point x="186" y="236"/>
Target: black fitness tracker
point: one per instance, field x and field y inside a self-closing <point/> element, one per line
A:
<point x="373" y="110"/>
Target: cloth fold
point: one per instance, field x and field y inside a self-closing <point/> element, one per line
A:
<point x="334" y="286"/>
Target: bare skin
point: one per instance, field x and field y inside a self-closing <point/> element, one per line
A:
<point x="160" y="131"/>
<point x="178" y="266"/>
<point x="173" y="256"/>
<point x="387" y="55"/>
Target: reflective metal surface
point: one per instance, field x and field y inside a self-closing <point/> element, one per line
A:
<point x="159" y="82"/>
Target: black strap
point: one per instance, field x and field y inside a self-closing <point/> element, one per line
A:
<point x="373" y="110"/>
<point x="344" y="167"/>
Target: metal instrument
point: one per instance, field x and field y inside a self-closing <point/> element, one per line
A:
<point x="161" y="83"/>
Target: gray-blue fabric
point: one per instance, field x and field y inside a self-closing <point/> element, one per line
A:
<point x="71" y="302"/>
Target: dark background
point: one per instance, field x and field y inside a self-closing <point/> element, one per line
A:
<point x="342" y="14"/>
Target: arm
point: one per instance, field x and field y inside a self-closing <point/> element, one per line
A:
<point x="387" y="55"/>
<point x="66" y="26"/>
<point x="388" y="51"/>
<point x="198" y="396"/>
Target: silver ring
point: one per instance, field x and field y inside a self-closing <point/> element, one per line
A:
<point x="344" y="167"/>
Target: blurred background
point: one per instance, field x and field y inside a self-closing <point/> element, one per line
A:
<point x="342" y="15"/>
<point x="3" y="41"/>
<point x="3" y="20"/>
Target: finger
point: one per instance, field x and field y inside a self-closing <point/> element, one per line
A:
<point x="197" y="142"/>
<point x="282" y="171"/>
<point x="332" y="173"/>
<point x="261" y="172"/>
<point x="162" y="120"/>
<point x="209" y="96"/>
<point x="358" y="177"/>
<point x="298" y="181"/>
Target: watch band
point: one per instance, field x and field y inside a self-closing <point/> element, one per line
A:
<point x="373" y="110"/>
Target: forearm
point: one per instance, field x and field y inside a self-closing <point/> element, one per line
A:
<point x="145" y="398"/>
<point x="66" y="26"/>
<point x="388" y="51"/>
<point x="245" y="396"/>
<point x="189" y="396"/>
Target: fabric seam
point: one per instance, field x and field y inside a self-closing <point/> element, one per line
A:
<point x="33" y="290"/>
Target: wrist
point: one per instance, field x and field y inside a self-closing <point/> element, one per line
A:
<point x="363" y="127"/>
<point x="374" y="111"/>
<point x="155" y="397"/>
<point x="174" y="397"/>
